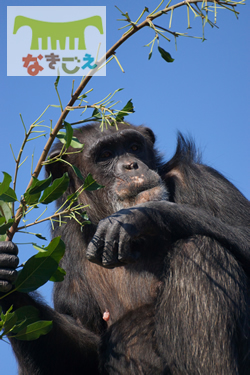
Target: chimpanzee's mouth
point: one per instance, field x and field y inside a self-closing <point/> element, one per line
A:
<point x="156" y="193"/>
<point x="133" y="188"/>
<point x="139" y="193"/>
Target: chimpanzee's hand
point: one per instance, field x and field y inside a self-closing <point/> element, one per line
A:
<point x="8" y="264"/>
<point x="112" y="244"/>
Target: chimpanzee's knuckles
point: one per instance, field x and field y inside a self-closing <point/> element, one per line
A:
<point x="8" y="247"/>
<point x="8" y="261"/>
<point x="117" y="247"/>
<point x="8" y="275"/>
<point x="109" y="256"/>
<point x="112" y="233"/>
<point x="125" y="255"/>
<point x="95" y="249"/>
<point x="5" y="286"/>
<point x="7" y="278"/>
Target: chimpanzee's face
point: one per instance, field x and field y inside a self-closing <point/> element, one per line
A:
<point x="124" y="162"/>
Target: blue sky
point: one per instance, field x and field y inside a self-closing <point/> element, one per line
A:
<point x="203" y="93"/>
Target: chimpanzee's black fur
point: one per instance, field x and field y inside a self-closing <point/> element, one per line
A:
<point x="167" y="255"/>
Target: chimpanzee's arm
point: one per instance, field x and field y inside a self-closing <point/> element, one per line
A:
<point x="110" y="245"/>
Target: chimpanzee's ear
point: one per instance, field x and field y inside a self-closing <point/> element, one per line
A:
<point x="147" y="132"/>
<point x="56" y="168"/>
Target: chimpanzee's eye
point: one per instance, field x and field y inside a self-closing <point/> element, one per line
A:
<point x="106" y="154"/>
<point x="134" y="147"/>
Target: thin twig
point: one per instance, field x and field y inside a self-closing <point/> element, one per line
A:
<point x="63" y="213"/>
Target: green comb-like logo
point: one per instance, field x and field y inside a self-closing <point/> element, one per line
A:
<point x="58" y="31"/>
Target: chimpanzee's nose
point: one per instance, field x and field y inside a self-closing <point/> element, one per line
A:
<point x="131" y="166"/>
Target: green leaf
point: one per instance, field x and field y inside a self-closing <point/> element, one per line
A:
<point x="77" y="172"/>
<point x="41" y="267"/>
<point x="165" y="55"/>
<point x="8" y="196"/>
<point x="85" y="216"/>
<point x="2" y="220"/>
<point x="25" y="315"/>
<point x="56" y="190"/>
<point x="5" y="210"/>
<point x="38" y="186"/>
<point x="7" y="321"/>
<point x="96" y="113"/>
<point x="39" y="248"/>
<point x="35" y="273"/>
<point x="10" y="323"/>
<point x="86" y="219"/>
<point x="4" y="317"/>
<point x="55" y="249"/>
<point x="6" y="183"/>
<point x="90" y="184"/>
<point x="129" y="108"/>
<point x="34" y="330"/>
<point x="38" y="235"/>
<point x="58" y="276"/>
<point x="6" y="226"/>
<point x="74" y="142"/>
<point x="73" y="196"/>
<point x="32" y="195"/>
<point x="31" y="200"/>
<point x="69" y="134"/>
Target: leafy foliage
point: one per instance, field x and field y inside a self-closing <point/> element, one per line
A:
<point x="6" y="193"/>
<point x="23" y="324"/>
<point x="74" y="141"/>
<point x="41" y="267"/>
<point x="129" y="108"/>
<point x="56" y="190"/>
<point x="7" y="196"/>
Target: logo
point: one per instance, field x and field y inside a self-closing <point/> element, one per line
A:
<point x="47" y="41"/>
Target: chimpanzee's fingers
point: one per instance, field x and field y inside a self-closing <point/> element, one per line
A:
<point x="7" y="278"/>
<point x="117" y="247"/>
<point x="125" y="255"/>
<point x="8" y="275"/>
<point x="109" y="256"/>
<point x="8" y="247"/>
<point x="5" y="286"/>
<point x="111" y="244"/>
<point x="96" y="246"/>
<point x="95" y="249"/>
<point x="8" y="261"/>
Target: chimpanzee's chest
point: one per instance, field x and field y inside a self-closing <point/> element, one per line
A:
<point x="126" y="288"/>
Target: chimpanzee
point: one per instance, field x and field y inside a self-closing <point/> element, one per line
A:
<point x="158" y="283"/>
